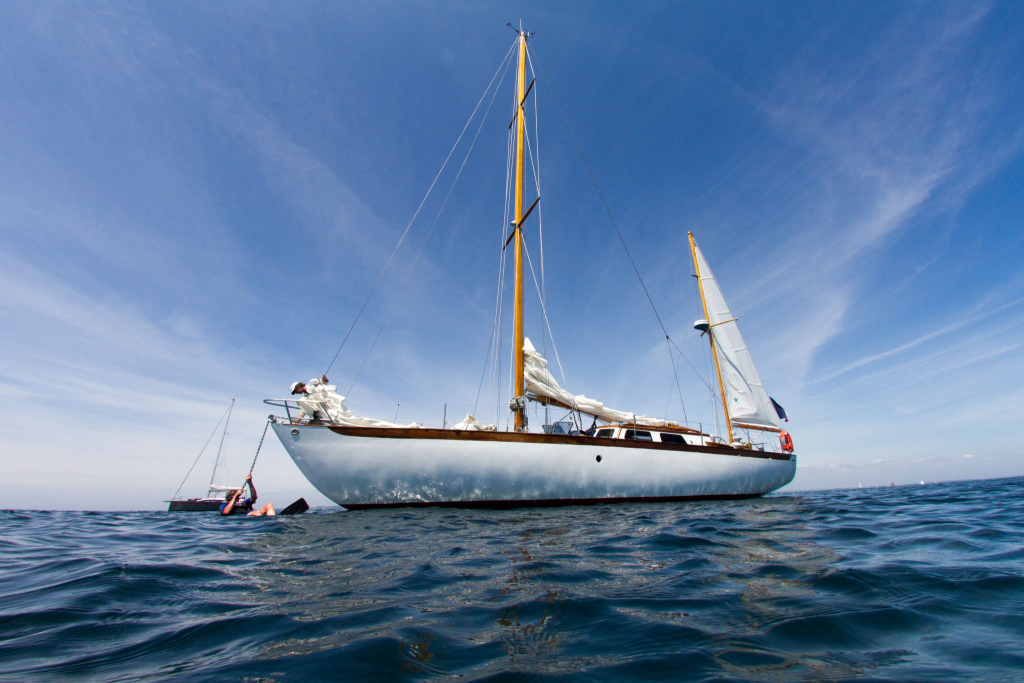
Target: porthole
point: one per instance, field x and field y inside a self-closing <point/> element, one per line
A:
<point x="598" y="458"/>
<point x="295" y="432"/>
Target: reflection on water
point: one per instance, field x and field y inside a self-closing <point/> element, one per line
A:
<point x="901" y="583"/>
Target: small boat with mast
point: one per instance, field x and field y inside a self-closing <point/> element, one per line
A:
<point x="215" y="493"/>
<point x="364" y="463"/>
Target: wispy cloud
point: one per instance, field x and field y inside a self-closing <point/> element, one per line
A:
<point x="887" y="134"/>
<point x="906" y="346"/>
<point x="174" y="232"/>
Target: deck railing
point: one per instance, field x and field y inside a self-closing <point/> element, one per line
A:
<point x="289" y="405"/>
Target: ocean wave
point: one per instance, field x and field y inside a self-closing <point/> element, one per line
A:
<point x="891" y="583"/>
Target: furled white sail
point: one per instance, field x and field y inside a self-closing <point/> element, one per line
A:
<point x="744" y="394"/>
<point x="471" y="424"/>
<point x="323" y="402"/>
<point x="540" y="383"/>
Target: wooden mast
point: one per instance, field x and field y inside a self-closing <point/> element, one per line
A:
<point x="711" y="337"/>
<point x="520" y="385"/>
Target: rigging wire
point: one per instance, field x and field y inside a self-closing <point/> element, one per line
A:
<point x="492" y="359"/>
<point x="675" y="374"/>
<point x="697" y="372"/>
<point x="203" y="450"/>
<point x="490" y="343"/>
<point x="711" y="390"/>
<point x="429" y="232"/>
<point x="668" y="402"/>
<point x="418" y="208"/>
<point x="540" y="211"/>
<point x="509" y="198"/>
<point x="545" y="312"/>
<point x="509" y="182"/>
<point x="600" y="194"/>
<point x="494" y="389"/>
<point x="489" y="358"/>
<point x="618" y="233"/>
<point x="219" y="463"/>
<point x="707" y="361"/>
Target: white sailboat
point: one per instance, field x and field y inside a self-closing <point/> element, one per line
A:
<point x="365" y="463"/>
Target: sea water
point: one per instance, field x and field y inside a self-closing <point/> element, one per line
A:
<point x="904" y="583"/>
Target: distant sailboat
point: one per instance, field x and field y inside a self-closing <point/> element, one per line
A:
<point x="215" y="493"/>
<point x="367" y="463"/>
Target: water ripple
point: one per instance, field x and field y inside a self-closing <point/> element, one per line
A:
<point x="887" y="584"/>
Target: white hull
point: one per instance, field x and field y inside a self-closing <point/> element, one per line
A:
<point x="478" y="469"/>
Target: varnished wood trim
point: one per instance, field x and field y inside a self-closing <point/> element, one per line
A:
<point x="552" y="502"/>
<point x="528" y="437"/>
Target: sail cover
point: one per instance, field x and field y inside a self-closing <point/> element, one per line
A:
<point x="747" y="400"/>
<point x="539" y="382"/>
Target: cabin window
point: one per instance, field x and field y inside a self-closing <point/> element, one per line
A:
<point x="672" y="438"/>
<point x="608" y="433"/>
<point x="639" y="435"/>
<point x="559" y="428"/>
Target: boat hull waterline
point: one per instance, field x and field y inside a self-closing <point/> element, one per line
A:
<point x="364" y="467"/>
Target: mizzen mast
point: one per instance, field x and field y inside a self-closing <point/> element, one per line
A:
<point x="711" y="336"/>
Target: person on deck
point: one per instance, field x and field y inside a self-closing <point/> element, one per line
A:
<point x="310" y="388"/>
<point x="319" y="401"/>
<point x="233" y="503"/>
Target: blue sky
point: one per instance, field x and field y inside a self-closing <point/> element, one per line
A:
<point x="195" y="199"/>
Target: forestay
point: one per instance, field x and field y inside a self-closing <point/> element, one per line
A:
<point x="745" y="396"/>
<point x="540" y="383"/>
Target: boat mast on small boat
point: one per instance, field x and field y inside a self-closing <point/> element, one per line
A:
<point x="366" y="463"/>
<point x="215" y="494"/>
